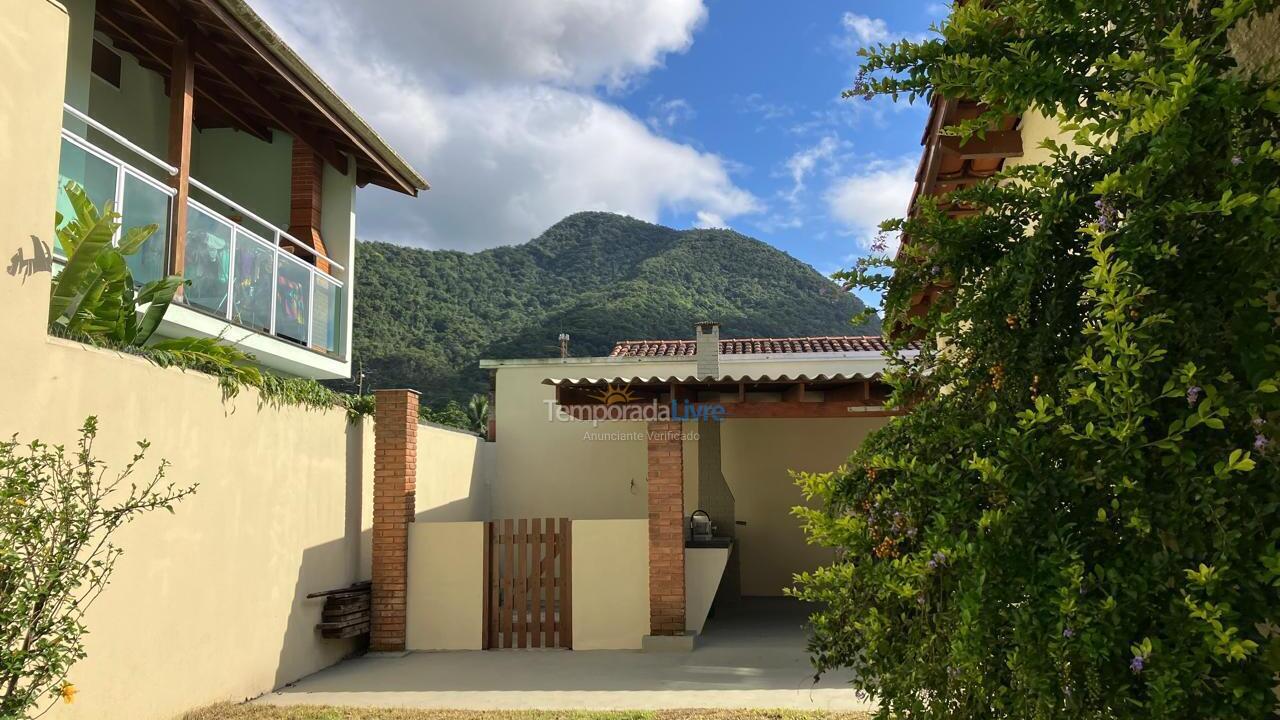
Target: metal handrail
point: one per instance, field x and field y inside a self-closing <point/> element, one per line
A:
<point x="118" y="138"/>
<point x="256" y="218"/>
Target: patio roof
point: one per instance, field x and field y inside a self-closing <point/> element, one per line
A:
<point x="712" y="379"/>
<point x="837" y="344"/>
<point x="247" y="78"/>
<point x="836" y="395"/>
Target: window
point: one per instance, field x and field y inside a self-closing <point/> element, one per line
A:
<point x="105" y="63"/>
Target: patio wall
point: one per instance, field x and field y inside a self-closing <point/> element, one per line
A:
<point x="446" y="586"/>
<point x="756" y="459"/>
<point x="206" y="604"/>
<point x="610" y="585"/>
<point x="453" y="475"/>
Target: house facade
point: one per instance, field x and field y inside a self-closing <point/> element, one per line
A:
<point x="194" y="116"/>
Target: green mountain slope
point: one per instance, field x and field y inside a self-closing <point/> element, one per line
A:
<point x="423" y="318"/>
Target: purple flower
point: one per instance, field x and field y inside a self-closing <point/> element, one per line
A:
<point x="920" y="600"/>
<point x="1137" y="663"/>
<point x="939" y="558"/>
<point x="1261" y="442"/>
<point x="911" y="532"/>
<point x="1237" y="160"/>
<point x="1067" y="632"/>
<point x="933" y="564"/>
<point x="1193" y="394"/>
<point x="1106" y="214"/>
<point x="1259" y="422"/>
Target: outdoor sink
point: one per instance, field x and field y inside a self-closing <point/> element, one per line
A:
<point x="711" y="542"/>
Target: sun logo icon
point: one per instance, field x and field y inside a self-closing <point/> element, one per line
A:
<point x="613" y="395"/>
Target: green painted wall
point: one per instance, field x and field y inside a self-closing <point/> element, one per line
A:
<point x="254" y="173"/>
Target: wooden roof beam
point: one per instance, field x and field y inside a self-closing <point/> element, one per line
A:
<point x="234" y="75"/>
<point x="267" y="56"/>
<point x="162" y="15"/>
<point x="118" y="26"/>
<point x="996" y="144"/>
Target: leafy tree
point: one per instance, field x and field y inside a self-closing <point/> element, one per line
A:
<point x="451" y="415"/>
<point x="57" y="515"/>
<point x="1080" y="514"/>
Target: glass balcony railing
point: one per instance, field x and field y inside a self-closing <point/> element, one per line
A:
<point x="243" y="270"/>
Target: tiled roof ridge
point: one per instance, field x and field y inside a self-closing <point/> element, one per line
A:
<point x="752" y="345"/>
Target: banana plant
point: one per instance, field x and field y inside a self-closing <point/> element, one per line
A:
<point x="95" y="295"/>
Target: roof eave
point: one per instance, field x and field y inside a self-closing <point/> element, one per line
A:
<point x="407" y="180"/>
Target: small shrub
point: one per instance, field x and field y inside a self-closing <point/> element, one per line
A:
<point x="58" y="512"/>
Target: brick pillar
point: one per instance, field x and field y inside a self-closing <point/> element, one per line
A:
<point x="394" y="479"/>
<point x="666" y="529"/>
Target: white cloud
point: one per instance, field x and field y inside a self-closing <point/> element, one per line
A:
<point x="863" y="200"/>
<point x="511" y="162"/>
<point x="866" y="30"/>
<point x="757" y="105"/>
<point x="566" y="42"/>
<point x="708" y="220"/>
<point x="493" y="101"/>
<point x="665" y="114"/>
<point x="803" y="162"/>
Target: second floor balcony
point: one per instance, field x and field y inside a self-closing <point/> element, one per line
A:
<point x="239" y="267"/>
<point x="193" y="116"/>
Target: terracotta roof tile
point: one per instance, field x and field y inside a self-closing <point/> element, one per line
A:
<point x="752" y="346"/>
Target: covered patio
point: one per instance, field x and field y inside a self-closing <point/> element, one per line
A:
<point x="751" y="528"/>
<point x="752" y="656"/>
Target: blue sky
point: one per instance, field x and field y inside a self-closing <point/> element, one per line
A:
<point x="761" y="85"/>
<point x="721" y="113"/>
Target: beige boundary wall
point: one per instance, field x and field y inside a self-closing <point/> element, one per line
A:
<point x="453" y="475"/>
<point x="446" y="586"/>
<point x="610" y="585"/>
<point x="207" y="604"/>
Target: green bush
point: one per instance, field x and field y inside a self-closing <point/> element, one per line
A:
<point x="1080" y="515"/>
<point x="58" y="512"/>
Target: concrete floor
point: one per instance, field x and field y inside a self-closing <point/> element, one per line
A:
<point x="751" y="656"/>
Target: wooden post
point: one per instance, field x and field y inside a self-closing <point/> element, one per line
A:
<point x="181" y="103"/>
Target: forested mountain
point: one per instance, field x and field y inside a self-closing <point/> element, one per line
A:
<point x="423" y="318"/>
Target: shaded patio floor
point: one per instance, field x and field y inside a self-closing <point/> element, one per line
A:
<point x="751" y="656"/>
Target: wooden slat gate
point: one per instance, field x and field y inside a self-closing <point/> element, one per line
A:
<point x="529" y="590"/>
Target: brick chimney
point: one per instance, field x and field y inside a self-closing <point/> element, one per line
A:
<point x="304" y="202"/>
<point x="708" y="339"/>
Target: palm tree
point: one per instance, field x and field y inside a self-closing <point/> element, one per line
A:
<point x="478" y="413"/>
